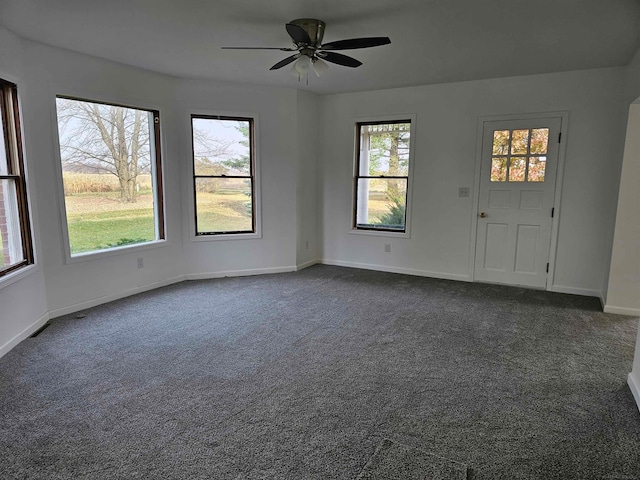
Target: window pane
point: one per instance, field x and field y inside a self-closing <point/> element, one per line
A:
<point x="539" y="140"/>
<point x="536" y="169"/>
<point x="381" y="203"/>
<point x="519" y="141"/>
<point x="224" y="205"/>
<point x="501" y="142"/>
<point x="517" y="169"/>
<point x="499" y="169"/>
<point x="109" y="169"/>
<point x="384" y="149"/>
<point x="11" y="251"/>
<point x="221" y="146"/>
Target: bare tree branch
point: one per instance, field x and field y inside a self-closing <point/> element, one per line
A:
<point x="105" y="138"/>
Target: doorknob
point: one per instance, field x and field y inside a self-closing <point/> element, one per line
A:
<point x="483" y="215"/>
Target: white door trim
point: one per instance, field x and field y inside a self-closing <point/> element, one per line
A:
<point x="564" y="122"/>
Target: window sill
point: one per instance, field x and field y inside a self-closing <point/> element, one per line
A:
<point x="226" y="237"/>
<point x="110" y="252"/>
<point x="380" y="233"/>
<point x="13" y="277"/>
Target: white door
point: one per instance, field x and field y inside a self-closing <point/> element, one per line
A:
<point x="517" y="183"/>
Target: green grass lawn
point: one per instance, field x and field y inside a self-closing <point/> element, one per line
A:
<point x="97" y="231"/>
<point x="98" y="220"/>
<point x="223" y="211"/>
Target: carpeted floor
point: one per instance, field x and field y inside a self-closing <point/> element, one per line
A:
<point x="308" y="375"/>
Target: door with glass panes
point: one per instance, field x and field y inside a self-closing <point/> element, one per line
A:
<point x="516" y="197"/>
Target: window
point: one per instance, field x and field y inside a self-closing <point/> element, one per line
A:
<point x="519" y="155"/>
<point x="15" y="235"/>
<point x="223" y="175"/>
<point x="112" y="174"/>
<point x="382" y="175"/>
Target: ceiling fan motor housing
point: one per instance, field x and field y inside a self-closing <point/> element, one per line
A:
<point x="313" y="27"/>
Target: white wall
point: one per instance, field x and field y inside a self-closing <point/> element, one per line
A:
<point x="308" y="124"/>
<point x="23" y="307"/>
<point x="441" y="242"/>
<point x="623" y="295"/>
<point x="277" y="150"/>
<point x="80" y="283"/>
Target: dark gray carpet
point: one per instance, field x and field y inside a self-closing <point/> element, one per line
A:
<point x="394" y="461"/>
<point x="303" y="375"/>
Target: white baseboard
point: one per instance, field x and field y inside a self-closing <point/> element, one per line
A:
<point x="635" y="388"/>
<point x="27" y="332"/>
<point x="632" y="312"/>
<point x="310" y="263"/>
<point x="76" y="307"/>
<point x="239" y="273"/>
<point x="585" y="292"/>
<point x="406" y="271"/>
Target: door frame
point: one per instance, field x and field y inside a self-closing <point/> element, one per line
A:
<point x="482" y="120"/>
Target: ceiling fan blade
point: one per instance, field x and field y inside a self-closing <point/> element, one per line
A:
<point x="284" y="62"/>
<point x="298" y="34"/>
<point x="353" y="43"/>
<point x="340" y="59"/>
<point x="283" y="49"/>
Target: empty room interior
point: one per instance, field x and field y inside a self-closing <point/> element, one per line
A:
<point x="320" y="239"/>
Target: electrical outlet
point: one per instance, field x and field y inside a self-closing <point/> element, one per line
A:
<point x="387" y="247"/>
<point x="140" y="262"/>
<point x="463" y="191"/>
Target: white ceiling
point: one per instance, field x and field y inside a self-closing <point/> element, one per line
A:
<point x="433" y="41"/>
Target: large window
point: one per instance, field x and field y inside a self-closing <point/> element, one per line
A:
<point x="223" y="175"/>
<point x="15" y="236"/>
<point x="112" y="174"/>
<point x="382" y="175"/>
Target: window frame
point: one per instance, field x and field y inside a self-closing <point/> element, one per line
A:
<point x="383" y="120"/>
<point x="13" y="141"/>
<point x="254" y="167"/>
<point x="156" y="146"/>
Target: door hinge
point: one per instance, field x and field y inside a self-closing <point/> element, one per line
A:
<point x="559" y="137"/>
<point x="547" y="268"/>
<point x="553" y="210"/>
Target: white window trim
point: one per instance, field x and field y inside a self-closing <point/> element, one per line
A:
<point x="408" y="209"/>
<point x="256" y="179"/>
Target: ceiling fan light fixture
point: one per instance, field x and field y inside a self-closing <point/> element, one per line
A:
<point x="319" y="66"/>
<point x="301" y="67"/>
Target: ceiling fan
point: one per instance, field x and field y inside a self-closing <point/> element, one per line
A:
<point x="311" y="53"/>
